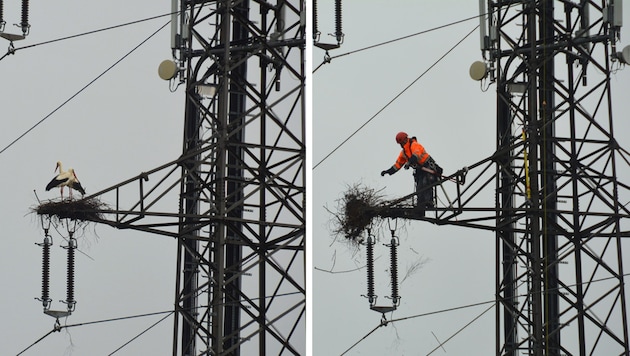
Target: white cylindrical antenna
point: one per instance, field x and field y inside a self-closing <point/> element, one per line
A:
<point x="617" y="18"/>
<point x="586" y="21"/>
<point x="174" y="23"/>
<point x="483" y="30"/>
<point x="613" y="14"/>
<point x="281" y="18"/>
<point x="279" y="34"/>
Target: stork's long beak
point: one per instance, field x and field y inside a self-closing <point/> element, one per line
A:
<point x="56" y="167"/>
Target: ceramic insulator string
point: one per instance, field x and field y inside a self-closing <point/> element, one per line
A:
<point x="394" y="270"/>
<point x="24" y="23"/>
<point x="2" y="22"/>
<point x="315" y="28"/>
<point x="338" y="32"/>
<point x="370" y="269"/>
<point x="70" y="282"/>
<point x="46" y="273"/>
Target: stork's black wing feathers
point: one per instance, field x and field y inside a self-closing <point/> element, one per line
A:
<point x="77" y="186"/>
<point x="55" y="183"/>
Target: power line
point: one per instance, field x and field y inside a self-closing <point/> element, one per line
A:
<point x="385" y="322"/>
<point x="494" y="301"/>
<point x="395" y="97"/>
<point x="88" y="33"/>
<point x="82" y="89"/>
<point x="458" y="331"/>
<point x="38" y="340"/>
<point x="328" y="59"/>
<point x="363" y="338"/>
<point x="140" y="334"/>
<point x="169" y="312"/>
<point x="59" y="327"/>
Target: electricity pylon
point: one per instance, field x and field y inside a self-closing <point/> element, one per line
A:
<point x="560" y="215"/>
<point x="240" y="225"/>
<point x="560" y="279"/>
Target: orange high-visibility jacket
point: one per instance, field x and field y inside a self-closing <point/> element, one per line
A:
<point x="410" y="148"/>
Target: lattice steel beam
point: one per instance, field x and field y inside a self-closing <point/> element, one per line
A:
<point x="240" y="225"/>
<point x="560" y="214"/>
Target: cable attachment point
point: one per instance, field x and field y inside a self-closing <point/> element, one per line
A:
<point x="384" y="321"/>
<point x="11" y="49"/>
<point x="57" y="326"/>
<point x="327" y="57"/>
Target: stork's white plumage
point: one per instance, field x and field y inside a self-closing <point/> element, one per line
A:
<point x="65" y="179"/>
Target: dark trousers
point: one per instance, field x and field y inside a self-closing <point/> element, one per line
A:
<point x="424" y="180"/>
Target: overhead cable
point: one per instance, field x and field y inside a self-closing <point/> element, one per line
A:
<point x="141" y="333"/>
<point x="59" y="327"/>
<point x="82" y="89"/>
<point x="395" y="40"/>
<point x="169" y="312"/>
<point x="458" y="331"/>
<point x="87" y="33"/>
<point x="395" y="97"/>
<point x="493" y="302"/>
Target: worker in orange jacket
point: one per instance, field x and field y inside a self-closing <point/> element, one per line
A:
<point x="415" y="156"/>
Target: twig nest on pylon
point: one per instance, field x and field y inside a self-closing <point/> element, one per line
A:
<point x="81" y="210"/>
<point x="357" y="209"/>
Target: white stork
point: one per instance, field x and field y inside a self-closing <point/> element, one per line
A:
<point x="65" y="179"/>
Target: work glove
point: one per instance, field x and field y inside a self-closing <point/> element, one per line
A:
<point x="413" y="160"/>
<point x="389" y="171"/>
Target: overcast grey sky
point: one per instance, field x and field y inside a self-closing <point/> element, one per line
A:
<point x="128" y="121"/>
<point x="125" y="123"/>
<point x="455" y="121"/>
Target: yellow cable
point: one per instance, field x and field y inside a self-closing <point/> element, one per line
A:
<point x="526" y="167"/>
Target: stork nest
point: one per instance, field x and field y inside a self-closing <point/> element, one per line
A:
<point x="81" y="210"/>
<point x="358" y="208"/>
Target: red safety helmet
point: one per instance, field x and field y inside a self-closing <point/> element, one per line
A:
<point x="401" y="137"/>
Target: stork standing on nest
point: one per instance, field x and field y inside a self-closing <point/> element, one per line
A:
<point x="65" y="179"/>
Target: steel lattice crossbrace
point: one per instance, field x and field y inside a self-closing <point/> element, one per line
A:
<point x="559" y="178"/>
<point x="559" y="217"/>
<point x="240" y="221"/>
<point x="243" y="281"/>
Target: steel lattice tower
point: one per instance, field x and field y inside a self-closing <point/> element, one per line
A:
<point x="244" y="178"/>
<point x="560" y="216"/>
<point x="558" y="211"/>
<point x="240" y="227"/>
